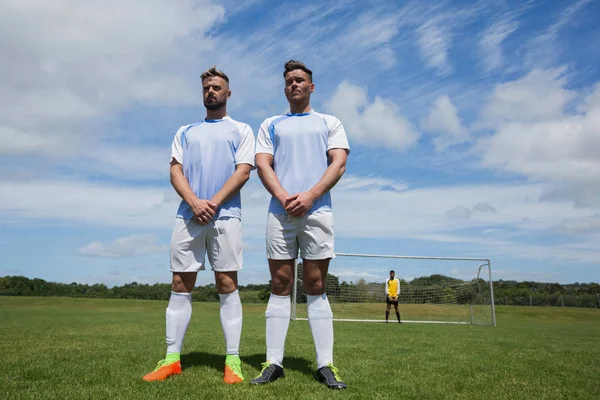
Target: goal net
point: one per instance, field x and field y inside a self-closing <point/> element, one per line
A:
<point x="432" y="289"/>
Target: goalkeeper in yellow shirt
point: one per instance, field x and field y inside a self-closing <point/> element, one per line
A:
<point x="392" y="292"/>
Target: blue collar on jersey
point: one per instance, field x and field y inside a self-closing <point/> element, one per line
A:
<point x="291" y="114"/>
<point x="212" y="121"/>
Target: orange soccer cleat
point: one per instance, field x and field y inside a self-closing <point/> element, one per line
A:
<point x="163" y="371"/>
<point x="233" y="370"/>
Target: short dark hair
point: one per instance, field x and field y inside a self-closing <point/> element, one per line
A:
<point x="293" y="65"/>
<point x="213" y="71"/>
<point x="392" y="271"/>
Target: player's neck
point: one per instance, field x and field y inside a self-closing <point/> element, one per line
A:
<point x="300" y="108"/>
<point x="216" y="114"/>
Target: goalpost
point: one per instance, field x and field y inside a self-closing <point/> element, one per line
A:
<point x="446" y="290"/>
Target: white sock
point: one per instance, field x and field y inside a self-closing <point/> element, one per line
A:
<point x="179" y="313"/>
<point x="320" y="319"/>
<point x="231" y="320"/>
<point x="278" y="321"/>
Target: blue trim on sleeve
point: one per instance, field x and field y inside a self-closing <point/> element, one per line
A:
<point x="272" y="129"/>
<point x="185" y="131"/>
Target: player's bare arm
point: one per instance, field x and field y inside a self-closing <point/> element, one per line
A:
<point x="203" y="210"/>
<point x="234" y="184"/>
<point x="264" y="168"/>
<point x="299" y="203"/>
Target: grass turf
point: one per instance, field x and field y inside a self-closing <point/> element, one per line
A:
<point x="62" y="348"/>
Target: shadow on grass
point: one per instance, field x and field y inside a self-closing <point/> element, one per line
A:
<point x="217" y="361"/>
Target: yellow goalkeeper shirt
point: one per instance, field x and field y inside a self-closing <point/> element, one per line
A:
<point x="392" y="287"/>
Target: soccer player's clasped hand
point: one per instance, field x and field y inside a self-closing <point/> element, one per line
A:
<point x="298" y="204"/>
<point x="203" y="210"/>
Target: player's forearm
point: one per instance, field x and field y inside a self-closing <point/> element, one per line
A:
<point x="270" y="182"/>
<point x="181" y="184"/>
<point x="234" y="184"/>
<point x="332" y="175"/>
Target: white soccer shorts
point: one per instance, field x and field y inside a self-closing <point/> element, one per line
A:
<point x="220" y="239"/>
<point x="312" y="234"/>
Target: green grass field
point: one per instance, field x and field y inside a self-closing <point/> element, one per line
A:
<point x="62" y="348"/>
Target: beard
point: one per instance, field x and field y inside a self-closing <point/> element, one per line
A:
<point x="216" y="105"/>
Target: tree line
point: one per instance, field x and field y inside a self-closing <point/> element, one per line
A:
<point x="430" y="289"/>
<point x="531" y="293"/>
<point x="22" y="286"/>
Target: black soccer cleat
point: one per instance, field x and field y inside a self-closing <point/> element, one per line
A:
<point x="329" y="376"/>
<point x="269" y="373"/>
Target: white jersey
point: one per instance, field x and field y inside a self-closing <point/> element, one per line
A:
<point x="299" y="145"/>
<point x="209" y="152"/>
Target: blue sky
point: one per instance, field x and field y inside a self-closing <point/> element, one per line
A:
<point x="474" y="127"/>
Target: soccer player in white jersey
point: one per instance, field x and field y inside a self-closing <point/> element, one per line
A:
<point x="300" y="156"/>
<point x="392" y="292"/>
<point x="211" y="161"/>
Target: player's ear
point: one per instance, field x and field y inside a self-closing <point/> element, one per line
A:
<point x="228" y="93"/>
<point x="312" y="87"/>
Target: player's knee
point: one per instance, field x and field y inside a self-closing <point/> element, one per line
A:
<point x="225" y="287"/>
<point x="177" y="284"/>
<point x="314" y="287"/>
<point x="225" y="282"/>
<point x="183" y="283"/>
<point x="281" y="285"/>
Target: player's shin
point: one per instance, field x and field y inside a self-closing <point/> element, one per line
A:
<point x="278" y="321"/>
<point x="320" y="319"/>
<point x="231" y="320"/>
<point x="178" y="315"/>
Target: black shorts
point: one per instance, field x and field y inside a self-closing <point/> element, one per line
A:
<point x="389" y="301"/>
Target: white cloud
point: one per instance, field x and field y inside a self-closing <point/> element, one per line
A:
<point x="540" y="95"/>
<point x="76" y="66"/>
<point x="537" y="133"/>
<point x="406" y="213"/>
<point x="353" y="276"/>
<point x="29" y="142"/>
<point x="524" y="275"/>
<point x="491" y="41"/>
<point x="128" y="246"/>
<point x="352" y="182"/>
<point x="422" y="211"/>
<point x="394" y="213"/>
<point x="543" y="49"/>
<point x="503" y="247"/>
<point x="484" y="207"/>
<point x="373" y="33"/>
<point x="581" y="194"/>
<point x="127" y="163"/>
<point x="84" y="202"/>
<point x="375" y="124"/>
<point x="444" y="121"/>
<point x="576" y="226"/>
<point x="434" y="43"/>
<point x="459" y="212"/>
<point x="373" y="29"/>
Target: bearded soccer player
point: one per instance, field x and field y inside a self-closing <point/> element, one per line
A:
<point x="392" y="292"/>
<point x="300" y="156"/>
<point x="211" y="161"/>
